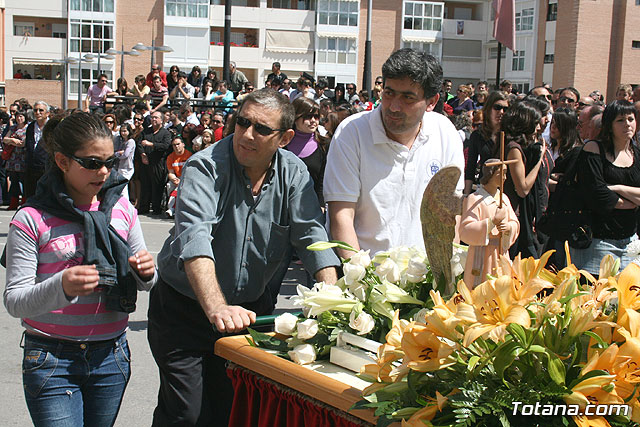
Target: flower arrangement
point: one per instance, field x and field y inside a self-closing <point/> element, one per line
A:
<point x="528" y="337"/>
<point x="363" y="302"/>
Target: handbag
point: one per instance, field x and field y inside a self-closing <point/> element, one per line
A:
<point x="6" y="151"/>
<point x="567" y="217"/>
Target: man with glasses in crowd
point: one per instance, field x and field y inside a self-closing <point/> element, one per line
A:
<point x="569" y="97"/>
<point x="247" y="189"/>
<point x="351" y="96"/>
<point x="381" y="161"/>
<point x="153" y="146"/>
<point x="36" y="158"/>
<point x="97" y="94"/>
<point x="217" y="125"/>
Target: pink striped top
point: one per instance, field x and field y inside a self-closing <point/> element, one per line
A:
<point x="39" y="248"/>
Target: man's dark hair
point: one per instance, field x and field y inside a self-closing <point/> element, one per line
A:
<point x="103" y="75"/>
<point x="483" y="82"/>
<point x="182" y="75"/>
<point x="322" y="84"/>
<point x="420" y="67"/>
<point x="541" y="105"/>
<point x="274" y="101"/>
<point x="141" y="106"/>
<point x="276" y="64"/>
<point x="572" y="89"/>
<point x="446" y="81"/>
<point x="4" y="117"/>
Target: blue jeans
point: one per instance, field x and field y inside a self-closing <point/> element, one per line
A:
<point x="70" y="383"/>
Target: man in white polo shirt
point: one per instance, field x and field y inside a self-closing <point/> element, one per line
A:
<point x="380" y="161"/>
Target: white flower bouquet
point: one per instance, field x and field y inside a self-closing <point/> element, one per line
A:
<point x="362" y="302"/>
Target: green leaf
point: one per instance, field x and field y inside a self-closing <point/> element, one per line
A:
<point x="518" y="332"/>
<point x="473" y="361"/>
<point x="267" y="341"/>
<point x="321" y="246"/>
<point x="557" y="370"/>
<point x="505" y="357"/>
<point x="601" y="343"/>
<point x="570" y="297"/>
<point x="537" y="349"/>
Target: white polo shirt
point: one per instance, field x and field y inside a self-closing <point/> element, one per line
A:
<point x="385" y="179"/>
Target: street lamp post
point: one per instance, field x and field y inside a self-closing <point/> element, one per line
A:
<point x="86" y="58"/>
<point x="105" y="56"/>
<point x="153" y="48"/>
<point x="122" y="53"/>
<point x="65" y="93"/>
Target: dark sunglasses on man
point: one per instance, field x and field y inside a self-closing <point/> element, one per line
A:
<point x="263" y="130"/>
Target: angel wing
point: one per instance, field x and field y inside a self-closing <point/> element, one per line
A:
<point x="440" y="205"/>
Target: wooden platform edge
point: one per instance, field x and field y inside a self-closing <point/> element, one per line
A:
<point x="325" y="389"/>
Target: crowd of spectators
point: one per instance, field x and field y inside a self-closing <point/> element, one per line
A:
<point x="164" y="118"/>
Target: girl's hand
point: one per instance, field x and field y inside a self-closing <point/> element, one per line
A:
<point x="142" y="263"/>
<point x="80" y="280"/>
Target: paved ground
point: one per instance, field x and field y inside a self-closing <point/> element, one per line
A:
<point x="140" y="397"/>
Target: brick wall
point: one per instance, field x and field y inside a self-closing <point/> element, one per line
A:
<point x="386" y="27"/>
<point x="34" y="90"/>
<point x="138" y="21"/>
<point x="629" y="58"/>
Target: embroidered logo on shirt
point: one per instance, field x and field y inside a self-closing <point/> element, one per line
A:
<point x="434" y="167"/>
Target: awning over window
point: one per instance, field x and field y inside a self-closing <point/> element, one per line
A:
<point x="21" y="61"/>
<point x="289" y="41"/>
<point x="338" y="35"/>
<point x="408" y="38"/>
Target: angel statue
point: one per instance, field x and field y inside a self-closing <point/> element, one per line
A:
<point x="488" y="223"/>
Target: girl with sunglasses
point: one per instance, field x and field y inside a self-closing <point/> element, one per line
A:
<point x="305" y="143"/>
<point x="75" y="258"/>
<point x="482" y="142"/>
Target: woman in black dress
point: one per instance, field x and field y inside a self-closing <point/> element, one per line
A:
<point x="609" y="182"/>
<point x="520" y="124"/>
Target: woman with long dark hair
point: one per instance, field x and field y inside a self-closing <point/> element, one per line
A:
<point x="520" y="124"/>
<point x="609" y="180"/>
<point x="305" y="143"/>
<point x="565" y="141"/>
<point x="482" y="142"/>
<point x="72" y="278"/>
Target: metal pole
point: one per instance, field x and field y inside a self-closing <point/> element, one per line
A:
<point x="153" y="51"/>
<point x="366" y="76"/>
<point x="80" y="77"/>
<point x="122" y="61"/>
<point x="65" y="95"/>
<point x="498" y="67"/>
<point x="227" y="41"/>
<point x="99" y="55"/>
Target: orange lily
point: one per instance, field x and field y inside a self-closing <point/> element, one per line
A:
<point x="444" y="317"/>
<point x="426" y="414"/>
<point x="495" y="308"/>
<point x="423" y="350"/>
<point x="594" y="421"/>
<point x="628" y="287"/>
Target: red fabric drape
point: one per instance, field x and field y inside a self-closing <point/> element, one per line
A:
<point x="259" y="402"/>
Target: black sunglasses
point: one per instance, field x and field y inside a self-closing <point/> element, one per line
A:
<point x="499" y="107"/>
<point x="310" y="116"/>
<point x="566" y="99"/>
<point x="260" y="128"/>
<point x="93" y="163"/>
